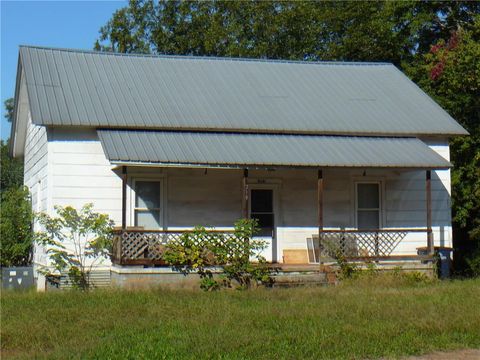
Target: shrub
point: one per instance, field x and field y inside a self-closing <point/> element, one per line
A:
<point x="197" y="251"/>
<point x="347" y="270"/>
<point x="75" y="241"/>
<point x="473" y="263"/>
<point x="16" y="219"/>
<point x="415" y="277"/>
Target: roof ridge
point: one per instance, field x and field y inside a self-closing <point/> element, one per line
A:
<point x="215" y="58"/>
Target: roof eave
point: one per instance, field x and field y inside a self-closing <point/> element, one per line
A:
<point x="117" y="163"/>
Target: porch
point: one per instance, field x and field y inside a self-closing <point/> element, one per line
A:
<point x="303" y="222"/>
<point x="371" y="198"/>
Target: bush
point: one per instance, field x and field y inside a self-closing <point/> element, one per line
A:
<point x="197" y="251"/>
<point x="473" y="263"/>
<point x="75" y="241"/>
<point x="16" y="219"/>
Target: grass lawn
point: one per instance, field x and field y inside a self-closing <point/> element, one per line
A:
<point x="369" y="318"/>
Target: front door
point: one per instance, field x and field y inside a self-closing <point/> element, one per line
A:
<point x="261" y="207"/>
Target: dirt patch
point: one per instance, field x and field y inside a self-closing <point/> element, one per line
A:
<point x="469" y="354"/>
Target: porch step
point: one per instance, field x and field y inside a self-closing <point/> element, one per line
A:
<point x="291" y="279"/>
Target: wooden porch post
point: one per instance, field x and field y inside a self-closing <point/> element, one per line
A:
<point x="429" y="212"/>
<point x="320" y="202"/>
<point x="245" y="194"/>
<point x="124" y="198"/>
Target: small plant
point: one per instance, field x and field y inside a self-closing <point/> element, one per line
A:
<point x="473" y="264"/>
<point x="397" y="270"/>
<point x="195" y="252"/>
<point x="416" y="277"/>
<point x="347" y="270"/>
<point x="243" y="266"/>
<point x="76" y="241"/>
<point x="371" y="269"/>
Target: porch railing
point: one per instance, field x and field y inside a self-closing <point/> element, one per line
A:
<point x="146" y="247"/>
<point x="375" y="244"/>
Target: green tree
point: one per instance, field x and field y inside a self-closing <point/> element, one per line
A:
<point x="15" y="207"/>
<point x="11" y="173"/>
<point x="350" y="30"/>
<point x="15" y="227"/>
<point x="76" y="241"/>
<point x="450" y="73"/>
<point x="9" y="106"/>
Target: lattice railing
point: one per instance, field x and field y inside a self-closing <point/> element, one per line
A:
<point x="146" y="247"/>
<point x="360" y="243"/>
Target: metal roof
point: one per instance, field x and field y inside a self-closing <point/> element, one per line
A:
<point x="81" y="88"/>
<point x="230" y="149"/>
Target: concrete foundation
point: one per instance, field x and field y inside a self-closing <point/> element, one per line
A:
<point x="133" y="277"/>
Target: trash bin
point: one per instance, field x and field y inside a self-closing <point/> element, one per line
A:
<point x="444" y="259"/>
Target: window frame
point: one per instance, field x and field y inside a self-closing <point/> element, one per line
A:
<point x="134" y="207"/>
<point x="379" y="183"/>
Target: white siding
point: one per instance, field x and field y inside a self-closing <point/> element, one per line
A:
<point x="36" y="175"/>
<point x="80" y="173"/>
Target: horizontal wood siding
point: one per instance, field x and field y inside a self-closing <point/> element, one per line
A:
<point x="36" y="176"/>
<point x="198" y="198"/>
<point x="80" y="173"/>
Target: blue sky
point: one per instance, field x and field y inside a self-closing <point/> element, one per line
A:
<point x="68" y="24"/>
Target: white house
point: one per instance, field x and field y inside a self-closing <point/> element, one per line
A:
<point x="353" y="152"/>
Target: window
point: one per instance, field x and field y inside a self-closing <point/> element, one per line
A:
<point x="147" y="209"/>
<point x="368" y="206"/>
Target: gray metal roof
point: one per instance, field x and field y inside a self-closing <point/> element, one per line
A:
<point x="71" y="87"/>
<point x="230" y="149"/>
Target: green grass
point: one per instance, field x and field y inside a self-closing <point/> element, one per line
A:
<point x="370" y="318"/>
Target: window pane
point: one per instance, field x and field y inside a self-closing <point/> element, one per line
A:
<point x="150" y="220"/>
<point x="262" y="200"/>
<point x="368" y="219"/>
<point x="367" y="195"/>
<point x="265" y="223"/>
<point x="147" y="194"/>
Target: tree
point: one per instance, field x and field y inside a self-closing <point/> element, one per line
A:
<point x="9" y="106"/>
<point x="76" y="241"/>
<point x="450" y="73"/>
<point x="15" y="227"/>
<point x="15" y="207"/>
<point x="11" y="175"/>
<point x="378" y="31"/>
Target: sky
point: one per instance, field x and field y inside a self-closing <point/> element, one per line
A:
<point x="66" y="24"/>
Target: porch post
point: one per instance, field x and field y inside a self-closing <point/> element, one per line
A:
<point x="245" y="194"/>
<point x="320" y="202"/>
<point x="429" y="212"/>
<point x="124" y="198"/>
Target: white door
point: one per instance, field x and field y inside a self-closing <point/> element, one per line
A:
<point x="261" y="207"/>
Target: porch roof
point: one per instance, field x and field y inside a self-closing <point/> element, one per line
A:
<point x="173" y="148"/>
